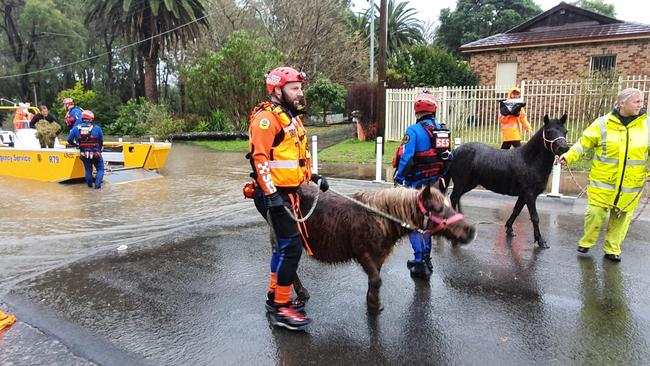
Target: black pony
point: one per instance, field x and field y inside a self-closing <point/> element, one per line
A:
<point x="521" y="172"/>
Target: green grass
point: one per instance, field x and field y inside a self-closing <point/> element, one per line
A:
<point x="355" y="151"/>
<point x="228" y="146"/>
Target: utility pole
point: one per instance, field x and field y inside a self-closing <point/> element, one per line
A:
<point x="381" y="72"/>
<point x="372" y="40"/>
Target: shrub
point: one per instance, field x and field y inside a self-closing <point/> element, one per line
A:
<point x="140" y="117"/>
<point x="83" y="99"/>
<point x="325" y="95"/>
<point x="361" y="98"/>
<point x="217" y="121"/>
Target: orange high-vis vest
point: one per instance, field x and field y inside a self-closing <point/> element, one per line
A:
<point x="278" y="162"/>
<point x="511" y="126"/>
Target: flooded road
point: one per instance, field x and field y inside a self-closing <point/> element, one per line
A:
<point x="45" y="225"/>
<point x="191" y="287"/>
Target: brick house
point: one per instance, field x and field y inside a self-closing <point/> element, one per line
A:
<point x="565" y="42"/>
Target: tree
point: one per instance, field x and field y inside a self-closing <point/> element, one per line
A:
<point x="597" y="6"/>
<point x="476" y="19"/>
<point x="325" y="95"/>
<point x="231" y="79"/>
<point x="157" y="24"/>
<point x="29" y="26"/>
<point x="431" y="66"/>
<point x="314" y="37"/>
<point x="403" y="28"/>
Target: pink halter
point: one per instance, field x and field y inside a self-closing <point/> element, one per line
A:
<point x="550" y="142"/>
<point x="441" y="222"/>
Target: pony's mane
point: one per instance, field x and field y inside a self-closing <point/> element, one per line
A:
<point x="398" y="202"/>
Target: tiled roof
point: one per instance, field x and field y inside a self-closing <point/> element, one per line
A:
<point x="591" y="33"/>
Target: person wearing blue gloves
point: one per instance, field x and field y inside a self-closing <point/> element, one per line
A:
<point x="421" y="160"/>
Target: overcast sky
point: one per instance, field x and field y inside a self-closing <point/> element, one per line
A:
<point x="429" y="10"/>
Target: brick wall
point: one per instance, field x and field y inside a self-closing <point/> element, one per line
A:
<point x="563" y="62"/>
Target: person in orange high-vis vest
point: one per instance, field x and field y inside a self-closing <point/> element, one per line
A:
<point x="512" y="118"/>
<point x="281" y="163"/>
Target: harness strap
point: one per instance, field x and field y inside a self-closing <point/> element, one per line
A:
<point x="295" y="201"/>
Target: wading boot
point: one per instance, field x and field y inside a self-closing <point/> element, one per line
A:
<point x="285" y="315"/>
<point x="427" y="261"/>
<point x="297" y="304"/>
<point x="420" y="271"/>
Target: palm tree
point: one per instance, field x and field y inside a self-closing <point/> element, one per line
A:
<point x="403" y="28"/>
<point x="157" y="24"/>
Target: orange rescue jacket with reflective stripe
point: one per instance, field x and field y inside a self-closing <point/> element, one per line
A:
<point x="511" y="126"/>
<point x="278" y="146"/>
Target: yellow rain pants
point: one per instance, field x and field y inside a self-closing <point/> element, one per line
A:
<point x="616" y="228"/>
<point x="6" y="320"/>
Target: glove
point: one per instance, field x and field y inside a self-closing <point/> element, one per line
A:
<point x="324" y="186"/>
<point x="274" y="201"/>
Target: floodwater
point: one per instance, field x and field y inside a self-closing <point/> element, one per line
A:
<point x="45" y="225"/>
<point x="191" y="287"/>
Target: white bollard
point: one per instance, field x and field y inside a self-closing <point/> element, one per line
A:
<point x="314" y="154"/>
<point x="555" y="181"/>
<point x="379" y="164"/>
<point x="457" y="142"/>
<point x="120" y="139"/>
<point x="151" y="140"/>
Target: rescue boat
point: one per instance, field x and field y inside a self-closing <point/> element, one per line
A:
<point x="22" y="156"/>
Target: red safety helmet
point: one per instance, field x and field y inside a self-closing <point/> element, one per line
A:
<point x="282" y="75"/>
<point x="425" y="102"/>
<point x="87" y="115"/>
<point x="67" y="101"/>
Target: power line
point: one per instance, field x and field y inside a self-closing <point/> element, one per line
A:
<point x="119" y="49"/>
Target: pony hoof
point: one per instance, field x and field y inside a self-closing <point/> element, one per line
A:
<point x="374" y="310"/>
<point x="510" y="233"/>
<point x="542" y="244"/>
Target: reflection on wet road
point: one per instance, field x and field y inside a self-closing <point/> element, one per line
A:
<point x="191" y="289"/>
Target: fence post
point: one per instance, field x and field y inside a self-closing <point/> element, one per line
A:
<point x="314" y="154"/>
<point x="378" y="164"/>
<point x="555" y="182"/>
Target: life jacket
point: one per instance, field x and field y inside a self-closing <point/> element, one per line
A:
<point x="290" y="161"/>
<point x="430" y="162"/>
<point x="88" y="142"/>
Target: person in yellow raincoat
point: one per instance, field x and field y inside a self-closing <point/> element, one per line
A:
<point x="620" y="140"/>
<point x="512" y="118"/>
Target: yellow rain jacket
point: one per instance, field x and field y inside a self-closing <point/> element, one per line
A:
<point x="618" y="169"/>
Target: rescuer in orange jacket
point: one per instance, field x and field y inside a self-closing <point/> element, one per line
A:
<point x="512" y="118"/>
<point x="281" y="163"/>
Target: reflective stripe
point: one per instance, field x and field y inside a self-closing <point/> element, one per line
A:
<point x="601" y="185"/>
<point x="606" y="160"/>
<point x="635" y="162"/>
<point x="283" y="163"/>
<point x="578" y="148"/>
<point x="631" y="190"/>
<point x="602" y="124"/>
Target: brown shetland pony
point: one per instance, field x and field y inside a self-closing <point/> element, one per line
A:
<point x="342" y="231"/>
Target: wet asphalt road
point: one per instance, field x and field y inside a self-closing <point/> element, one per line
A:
<point x="198" y="300"/>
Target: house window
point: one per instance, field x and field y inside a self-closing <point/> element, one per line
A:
<point x="506" y="75"/>
<point x="604" y="64"/>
